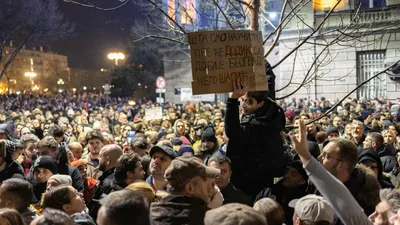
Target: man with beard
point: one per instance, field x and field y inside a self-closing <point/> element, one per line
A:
<point x="161" y="157"/>
<point x="43" y="168"/>
<point x="357" y="134"/>
<point x="94" y="139"/>
<point x="231" y="193"/>
<point x="108" y="157"/>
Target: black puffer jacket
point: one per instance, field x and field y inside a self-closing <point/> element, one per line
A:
<point x="255" y="146"/>
<point x="388" y="159"/>
<point x="177" y="210"/>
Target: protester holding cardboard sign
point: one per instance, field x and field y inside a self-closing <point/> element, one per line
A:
<point x="255" y="146"/>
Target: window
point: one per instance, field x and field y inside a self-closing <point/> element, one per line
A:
<point x="368" y="64"/>
<point x="370" y="4"/>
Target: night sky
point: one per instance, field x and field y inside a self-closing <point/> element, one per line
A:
<point x="96" y="33"/>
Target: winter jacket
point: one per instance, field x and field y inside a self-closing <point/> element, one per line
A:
<point x="389" y="161"/>
<point x="283" y="196"/>
<point x="11" y="169"/>
<point x="233" y="195"/>
<point x="359" y="144"/>
<point x="255" y="146"/>
<point x="92" y="171"/>
<point x="373" y="156"/>
<point x="28" y="215"/>
<point x="178" y="210"/>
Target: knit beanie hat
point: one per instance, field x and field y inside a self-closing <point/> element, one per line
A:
<point x="185" y="148"/>
<point x="62" y="179"/>
<point x="331" y="130"/>
<point x="209" y="135"/>
<point x="46" y="162"/>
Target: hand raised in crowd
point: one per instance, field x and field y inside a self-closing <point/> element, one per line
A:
<point x="300" y="144"/>
<point x="239" y="89"/>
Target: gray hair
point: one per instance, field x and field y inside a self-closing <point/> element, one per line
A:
<point x="357" y="122"/>
<point x="392" y="197"/>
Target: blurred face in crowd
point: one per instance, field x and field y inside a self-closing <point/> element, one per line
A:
<point x="201" y="187"/>
<point x="25" y="131"/>
<point x="77" y="152"/>
<point x="36" y="123"/>
<point x="180" y="128"/>
<point x="330" y="159"/>
<point x="18" y="128"/>
<point x="127" y="129"/>
<point x="393" y="129"/>
<point x="123" y="119"/>
<point x="84" y="120"/>
<point x="292" y="178"/>
<point x="347" y="129"/>
<point x="372" y="165"/>
<point x="311" y="128"/>
<point x="17" y="153"/>
<point x="250" y="105"/>
<point x="95" y="146"/>
<point x="332" y="136"/>
<point x="357" y="131"/>
<point x="47" y="151"/>
<point x="103" y="161"/>
<point x="30" y="148"/>
<point x="138" y="174"/>
<point x="389" y="137"/>
<point x="369" y="143"/>
<point x="383" y="211"/>
<point x="76" y="204"/>
<point x="223" y="179"/>
<point x="207" y="145"/>
<point x="197" y="116"/>
<point x="221" y="127"/>
<point x="3" y="136"/>
<point x="42" y="175"/>
<point x="159" y="163"/>
<point x="398" y="157"/>
<point x="218" y="115"/>
<point x="172" y="116"/>
<point x="337" y="121"/>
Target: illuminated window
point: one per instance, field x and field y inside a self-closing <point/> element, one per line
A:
<point x="328" y="4"/>
<point x="368" y="64"/>
<point x="188" y="12"/>
<point x="171" y="9"/>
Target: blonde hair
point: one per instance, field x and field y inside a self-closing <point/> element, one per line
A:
<point x="145" y="189"/>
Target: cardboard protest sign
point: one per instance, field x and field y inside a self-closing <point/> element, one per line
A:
<point x="187" y="96"/>
<point x="219" y="57"/>
<point x="153" y="113"/>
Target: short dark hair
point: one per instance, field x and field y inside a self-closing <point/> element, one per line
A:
<point x="126" y="163"/>
<point x="139" y="142"/>
<point x="123" y="207"/>
<point x="20" y="191"/>
<point x="220" y="159"/>
<point x="29" y="137"/>
<point x="56" y="131"/>
<point x="54" y="217"/>
<point x="56" y="198"/>
<point x="260" y="96"/>
<point x="94" y="134"/>
<point x="378" y="138"/>
<point x="347" y="151"/>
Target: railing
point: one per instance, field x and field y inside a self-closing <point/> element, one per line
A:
<point x="376" y="17"/>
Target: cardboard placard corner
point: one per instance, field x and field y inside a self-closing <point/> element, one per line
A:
<point x="153" y="113"/>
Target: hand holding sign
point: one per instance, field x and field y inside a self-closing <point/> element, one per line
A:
<point x="239" y="89"/>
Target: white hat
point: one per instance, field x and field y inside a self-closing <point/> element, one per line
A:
<point x="312" y="208"/>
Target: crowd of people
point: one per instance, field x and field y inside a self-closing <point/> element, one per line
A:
<point x="251" y="160"/>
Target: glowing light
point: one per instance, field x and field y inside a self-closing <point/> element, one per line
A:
<point x="131" y="102"/>
<point x="84" y="88"/>
<point x="273" y="15"/>
<point x="46" y="89"/>
<point x="35" y="88"/>
<point x="18" y="92"/>
<point x="73" y="89"/>
<point x="60" y="90"/>
<point x="328" y="4"/>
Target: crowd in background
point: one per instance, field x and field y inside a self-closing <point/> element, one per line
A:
<point x="97" y="160"/>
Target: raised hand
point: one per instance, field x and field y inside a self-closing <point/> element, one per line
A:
<point x="239" y="89"/>
<point x="301" y="144"/>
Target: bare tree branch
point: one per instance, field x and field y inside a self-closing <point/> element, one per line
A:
<point x="223" y="13"/>
<point x="91" y="5"/>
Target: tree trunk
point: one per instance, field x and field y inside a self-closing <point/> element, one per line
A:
<point x="255" y="15"/>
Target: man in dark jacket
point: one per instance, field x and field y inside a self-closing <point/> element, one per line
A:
<point x="230" y="193"/>
<point x="374" y="141"/>
<point x="189" y="184"/>
<point x="255" y="145"/>
<point x="49" y="146"/>
<point x="370" y="159"/>
<point x="108" y="156"/>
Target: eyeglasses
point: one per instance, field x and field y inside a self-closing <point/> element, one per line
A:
<point x="324" y="155"/>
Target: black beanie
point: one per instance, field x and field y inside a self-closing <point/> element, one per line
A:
<point x="209" y="135"/>
<point x="46" y="162"/>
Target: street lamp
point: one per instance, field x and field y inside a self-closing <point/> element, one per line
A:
<point x="84" y="88"/>
<point x="116" y="56"/>
<point x="30" y="75"/>
<point x="60" y="82"/>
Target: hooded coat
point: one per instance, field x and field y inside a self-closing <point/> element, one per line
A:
<point x="12" y="166"/>
<point x="388" y="159"/>
<point x="255" y="146"/>
<point x="373" y="156"/>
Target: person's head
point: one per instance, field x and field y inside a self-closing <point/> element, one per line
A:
<point x="123" y="207"/>
<point x="294" y="175"/>
<point x="186" y="150"/>
<point x="161" y="157"/>
<point x="272" y="211"/>
<point x="348" y="129"/>
<point x="313" y="210"/>
<point x="252" y="101"/>
<point x="76" y="149"/>
<point x="145" y="189"/>
<point x="123" y="118"/>
<point x="10" y="217"/>
<point x="190" y="177"/>
<point x="394" y="128"/>
<point x="387" y="208"/>
<point x="222" y="163"/>
<point x="58" y="180"/>
<point x="357" y="129"/>
<point x="24" y="131"/>
<point x="339" y="157"/>
<point x="332" y="132"/>
<point x="48" y="146"/>
<point x="208" y="139"/>
<point x="64" y="198"/>
<point x="53" y="217"/>
<point x="43" y="168"/>
<point x="57" y="132"/>
<point x="108" y="156"/>
<point x="128" y="169"/>
<point x="94" y="139"/>
<point x="389" y="136"/>
<point x="139" y="145"/>
<point x="234" y="213"/>
<point x="82" y="167"/>
<point x="19" y="149"/>
<point x="337" y="121"/>
<point x="180" y="128"/>
<point x="374" y="141"/>
<point x="16" y="194"/>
